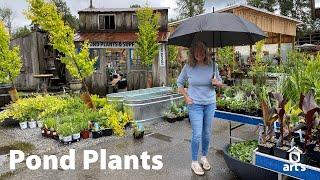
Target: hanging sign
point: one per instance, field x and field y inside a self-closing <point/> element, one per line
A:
<point x="162" y="55"/>
<point x="98" y="44"/>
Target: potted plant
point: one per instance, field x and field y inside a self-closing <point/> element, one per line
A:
<point x="238" y="157"/>
<point x="23" y="122"/>
<point x="40" y="124"/>
<point x="105" y="127"/>
<point x="32" y="116"/>
<point x="170" y="117"/>
<point x="138" y="131"/>
<point x="32" y="124"/>
<point x="65" y="132"/>
<point x="106" y="131"/>
<point x="75" y="129"/>
<point x="50" y="125"/>
<point x="85" y="133"/>
<point x="96" y="132"/>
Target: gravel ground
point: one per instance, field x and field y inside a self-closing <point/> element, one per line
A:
<point x="170" y="140"/>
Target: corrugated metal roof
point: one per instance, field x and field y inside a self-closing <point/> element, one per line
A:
<point x="115" y="37"/>
<point x="242" y="5"/>
<point x="118" y="9"/>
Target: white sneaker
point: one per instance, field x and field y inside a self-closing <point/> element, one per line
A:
<point x="197" y="169"/>
<point x="205" y="164"/>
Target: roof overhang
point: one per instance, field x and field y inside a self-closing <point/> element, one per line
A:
<point x="226" y="9"/>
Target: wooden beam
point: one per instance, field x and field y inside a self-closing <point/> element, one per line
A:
<point x="279" y="45"/>
<point x="293" y="42"/>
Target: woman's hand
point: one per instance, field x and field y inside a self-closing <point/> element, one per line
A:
<point x="216" y="82"/>
<point x="188" y="100"/>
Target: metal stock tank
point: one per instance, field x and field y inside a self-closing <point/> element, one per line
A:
<point x="147" y="105"/>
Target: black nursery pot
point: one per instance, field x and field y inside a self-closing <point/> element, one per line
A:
<point x="315" y="158"/>
<point x="106" y="132"/>
<point x="281" y="153"/>
<point x="171" y="120"/>
<point x="129" y="124"/>
<point x="265" y="149"/>
<point x="180" y="118"/>
<point x="96" y="134"/>
<point x="245" y="171"/>
<point x="139" y="136"/>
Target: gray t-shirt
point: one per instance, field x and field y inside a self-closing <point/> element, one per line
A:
<point x="200" y="88"/>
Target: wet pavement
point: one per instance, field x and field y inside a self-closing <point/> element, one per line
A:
<point x="172" y="141"/>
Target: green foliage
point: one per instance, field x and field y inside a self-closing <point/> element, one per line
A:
<point x="6" y="16"/>
<point x="302" y="75"/>
<point x="65" y="129"/>
<point x="172" y="56"/>
<point x="147" y="42"/>
<point x="269" y="5"/>
<point x="46" y="16"/>
<point x="20" y="32"/>
<point x="10" y="60"/>
<point x="55" y="111"/>
<point x="99" y="102"/>
<point x="226" y="57"/>
<point x="67" y="16"/>
<point x="259" y="71"/>
<point x="190" y="8"/>
<point x="243" y="150"/>
<point x="177" y="110"/>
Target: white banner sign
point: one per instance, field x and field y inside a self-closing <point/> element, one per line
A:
<point x="162" y="55"/>
<point x="111" y="44"/>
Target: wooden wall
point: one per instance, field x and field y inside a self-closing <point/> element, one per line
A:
<point x="32" y="52"/>
<point x="268" y="23"/>
<point x="89" y="21"/>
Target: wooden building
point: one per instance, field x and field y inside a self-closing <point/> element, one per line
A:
<point x="279" y="29"/>
<point x="38" y="58"/>
<point x="111" y="33"/>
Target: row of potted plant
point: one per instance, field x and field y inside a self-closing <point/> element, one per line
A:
<point x="66" y="116"/>
<point x="241" y="100"/>
<point x="299" y="126"/>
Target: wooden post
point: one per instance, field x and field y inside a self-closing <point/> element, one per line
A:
<point x="279" y="45"/>
<point x="293" y="42"/>
<point x="250" y="55"/>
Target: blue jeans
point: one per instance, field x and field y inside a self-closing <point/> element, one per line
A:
<point x="201" y="117"/>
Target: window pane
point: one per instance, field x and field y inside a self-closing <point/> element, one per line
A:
<point x="101" y="22"/>
<point x="107" y="22"/>
<point x="112" y="22"/>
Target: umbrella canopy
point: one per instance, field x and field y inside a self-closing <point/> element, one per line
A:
<point x="216" y="30"/>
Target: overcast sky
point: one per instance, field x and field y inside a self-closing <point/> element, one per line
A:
<point x="19" y="6"/>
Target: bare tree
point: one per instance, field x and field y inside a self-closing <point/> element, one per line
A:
<point x="6" y="15"/>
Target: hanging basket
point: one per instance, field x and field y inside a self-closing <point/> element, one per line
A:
<point x="14" y="94"/>
<point x="85" y="96"/>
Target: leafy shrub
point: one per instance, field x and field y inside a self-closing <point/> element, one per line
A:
<point x="243" y="150"/>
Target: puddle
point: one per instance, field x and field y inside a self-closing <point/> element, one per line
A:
<point x="161" y="137"/>
<point x="23" y="146"/>
<point x="3" y="158"/>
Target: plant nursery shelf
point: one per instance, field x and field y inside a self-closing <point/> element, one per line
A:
<point x="240" y="118"/>
<point x="277" y="165"/>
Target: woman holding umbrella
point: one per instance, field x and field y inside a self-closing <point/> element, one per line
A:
<point x="203" y="76"/>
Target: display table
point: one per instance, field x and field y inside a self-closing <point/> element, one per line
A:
<point x="276" y="164"/>
<point x="43" y="81"/>
<point x="240" y="118"/>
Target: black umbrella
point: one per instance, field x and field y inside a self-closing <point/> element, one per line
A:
<point x="216" y="30"/>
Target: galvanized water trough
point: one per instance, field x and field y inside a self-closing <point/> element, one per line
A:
<point x="146" y="104"/>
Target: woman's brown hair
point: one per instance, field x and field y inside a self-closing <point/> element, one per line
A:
<point x="192" y="61"/>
